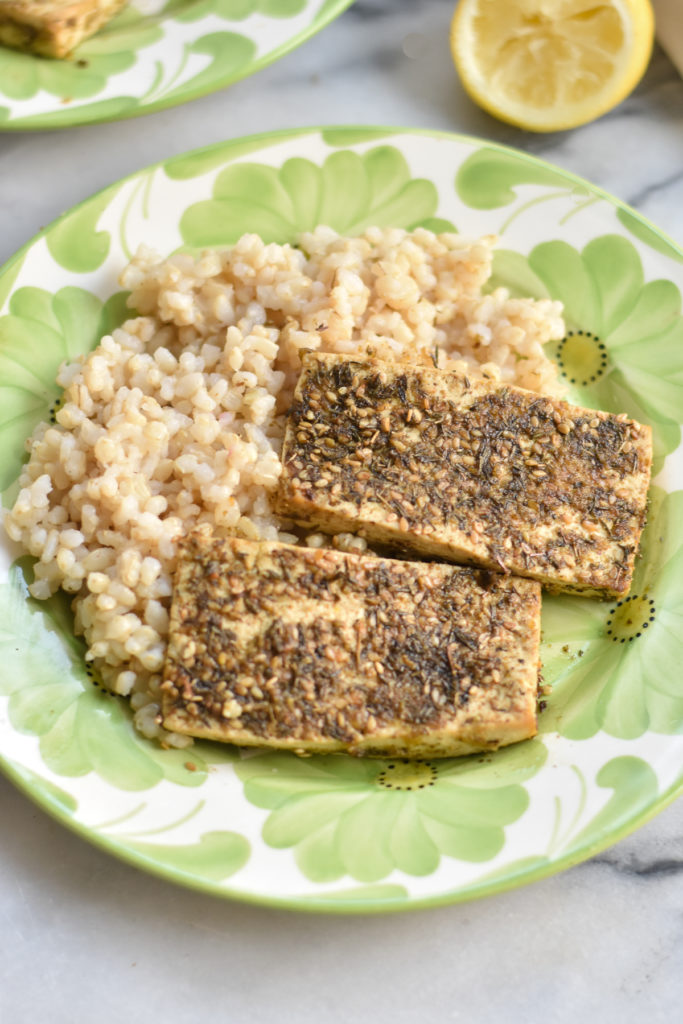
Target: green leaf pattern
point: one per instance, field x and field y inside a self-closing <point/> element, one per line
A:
<point x="624" y="345"/>
<point x="366" y="818"/>
<point x="487" y="179"/>
<point x="39" y="332"/>
<point x="634" y="789"/>
<point x="75" y="242"/>
<point x="633" y="784"/>
<point x="230" y="55"/>
<point x="348" y="193"/>
<point x="50" y="696"/>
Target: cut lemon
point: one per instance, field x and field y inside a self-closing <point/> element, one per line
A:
<point x="547" y="65"/>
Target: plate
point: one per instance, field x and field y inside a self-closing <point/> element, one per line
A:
<point x="338" y="833"/>
<point x="155" y="54"/>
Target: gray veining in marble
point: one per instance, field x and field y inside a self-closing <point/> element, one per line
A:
<point x="88" y="939"/>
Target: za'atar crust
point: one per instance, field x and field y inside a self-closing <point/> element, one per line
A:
<point x="317" y="650"/>
<point x="472" y="471"/>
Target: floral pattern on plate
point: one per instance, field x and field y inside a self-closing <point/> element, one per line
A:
<point x="332" y="832"/>
<point x="365" y="818"/>
<point x="348" y="193"/>
<point x="623" y="350"/>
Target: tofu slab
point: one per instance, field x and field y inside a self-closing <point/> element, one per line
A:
<point x="53" y="28"/>
<point x="315" y="650"/>
<point x="471" y="471"/>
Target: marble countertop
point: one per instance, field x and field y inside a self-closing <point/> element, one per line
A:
<point x="89" y="938"/>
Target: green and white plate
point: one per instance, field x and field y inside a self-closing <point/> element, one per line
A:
<point x="333" y="832"/>
<point x="155" y="54"/>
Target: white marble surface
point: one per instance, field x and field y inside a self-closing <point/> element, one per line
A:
<point x="87" y="938"/>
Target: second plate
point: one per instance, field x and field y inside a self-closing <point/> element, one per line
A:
<point x="155" y="54"/>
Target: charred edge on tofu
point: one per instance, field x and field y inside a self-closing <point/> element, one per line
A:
<point x="409" y="657"/>
<point x="360" y="437"/>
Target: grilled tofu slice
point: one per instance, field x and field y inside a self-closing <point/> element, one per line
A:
<point x="53" y="28"/>
<point x="315" y="650"/>
<point x="471" y="471"/>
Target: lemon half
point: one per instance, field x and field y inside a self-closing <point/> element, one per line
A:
<point x="547" y="65"/>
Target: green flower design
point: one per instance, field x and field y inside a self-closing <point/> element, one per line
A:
<point x="231" y="55"/>
<point x="623" y="350"/>
<point x="634" y="789"/>
<point x="112" y="50"/>
<point x="50" y="695"/>
<point x="348" y="193"/>
<point x="365" y="818"/>
<point x="487" y="179"/>
<point x="74" y="241"/>
<point x="616" y="667"/>
<point x="40" y="331"/>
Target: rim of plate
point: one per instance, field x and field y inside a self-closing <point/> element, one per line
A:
<point x="387" y="131"/>
<point x="41" y="122"/>
<point x="327" y="904"/>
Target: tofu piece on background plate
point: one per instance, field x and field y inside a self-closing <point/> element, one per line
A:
<point x="53" y="28"/>
<point x="471" y="471"/>
<point x="316" y="650"/>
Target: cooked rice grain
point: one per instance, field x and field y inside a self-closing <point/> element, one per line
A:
<point x="177" y="417"/>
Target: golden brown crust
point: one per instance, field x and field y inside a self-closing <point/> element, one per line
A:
<point x="319" y="650"/>
<point x="53" y="28"/>
<point x="471" y="471"/>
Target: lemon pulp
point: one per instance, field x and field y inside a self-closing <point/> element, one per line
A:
<point x="551" y="64"/>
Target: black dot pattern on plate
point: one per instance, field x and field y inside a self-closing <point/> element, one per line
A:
<point x="94" y="678"/>
<point x="630" y="618"/>
<point x="407" y="775"/>
<point x="54" y="409"/>
<point x="581" y="357"/>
